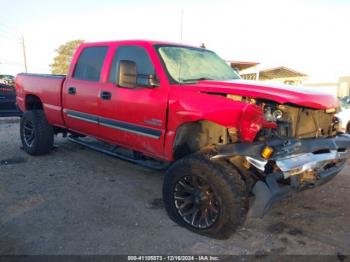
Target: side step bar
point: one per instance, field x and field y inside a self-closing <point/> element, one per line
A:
<point x="119" y="152"/>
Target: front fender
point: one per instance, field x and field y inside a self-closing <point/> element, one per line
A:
<point x="245" y="117"/>
<point x="185" y="107"/>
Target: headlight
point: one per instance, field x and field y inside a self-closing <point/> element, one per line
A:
<point x="272" y="116"/>
<point x="277" y="115"/>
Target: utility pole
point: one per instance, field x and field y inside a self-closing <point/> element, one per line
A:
<point x="181" y="24"/>
<point x="24" y="55"/>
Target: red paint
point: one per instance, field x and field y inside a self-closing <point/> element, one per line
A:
<point x="171" y="104"/>
<point x="271" y="91"/>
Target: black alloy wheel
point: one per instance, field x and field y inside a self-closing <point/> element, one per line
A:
<point x="196" y="202"/>
<point x="28" y="133"/>
<point x="204" y="196"/>
<point x="37" y="134"/>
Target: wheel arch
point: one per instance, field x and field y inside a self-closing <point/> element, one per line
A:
<point x="33" y="102"/>
<point x="191" y="137"/>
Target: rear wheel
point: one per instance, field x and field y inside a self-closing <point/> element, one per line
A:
<point x="348" y="128"/>
<point x="37" y="134"/>
<point x="204" y="196"/>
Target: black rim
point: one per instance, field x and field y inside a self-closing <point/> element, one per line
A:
<point x="28" y="133"/>
<point x="196" y="202"/>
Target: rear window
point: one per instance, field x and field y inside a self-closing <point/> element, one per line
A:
<point x="90" y="63"/>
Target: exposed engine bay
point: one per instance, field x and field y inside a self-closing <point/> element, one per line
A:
<point x="295" y="123"/>
<point x="292" y="121"/>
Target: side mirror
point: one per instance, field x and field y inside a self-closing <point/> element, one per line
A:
<point x="127" y="74"/>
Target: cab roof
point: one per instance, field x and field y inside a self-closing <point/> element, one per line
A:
<point x="141" y="42"/>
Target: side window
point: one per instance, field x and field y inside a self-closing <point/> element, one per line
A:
<point x="136" y="54"/>
<point x="90" y="63"/>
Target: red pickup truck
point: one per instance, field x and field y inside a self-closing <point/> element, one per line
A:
<point x="226" y="140"/>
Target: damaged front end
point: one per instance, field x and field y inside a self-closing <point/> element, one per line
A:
<point x="286" y="165"/>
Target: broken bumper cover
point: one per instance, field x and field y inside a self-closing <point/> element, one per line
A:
<point x="306" y="156"/>
<point x="306" y="163"/>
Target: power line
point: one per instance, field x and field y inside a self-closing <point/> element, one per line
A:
<point x="12" y="32"/>
<point x="13" y="63"/>
<point x="8" y="62"/>
<point x="23" y="47"/>
<point x="9" y="28"/>
<point x="15" y="33"/>
<point x="3" y="35"/>
<point x="3" y="29"/>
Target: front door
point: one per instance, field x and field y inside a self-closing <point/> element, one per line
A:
<point x="134" y="117"/>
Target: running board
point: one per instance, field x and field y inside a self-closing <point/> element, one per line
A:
<point x="119" y="152"/>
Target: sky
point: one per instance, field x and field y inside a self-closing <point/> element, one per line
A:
<point x="308" y="36"/>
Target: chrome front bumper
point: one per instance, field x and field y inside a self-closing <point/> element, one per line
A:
<point x="308" y="162"/>
<point x="308" y="156"/>
<point x="293" y="157"/>
<point x="305" y="163"/>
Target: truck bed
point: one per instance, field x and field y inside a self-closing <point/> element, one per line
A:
<point x="46" y="87"/>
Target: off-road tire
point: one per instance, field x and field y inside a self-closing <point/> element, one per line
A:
<point x="43" y="133"/>
<point x="225" y="182"/>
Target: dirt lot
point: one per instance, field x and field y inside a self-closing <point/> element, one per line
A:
<point x="77" y="201"/>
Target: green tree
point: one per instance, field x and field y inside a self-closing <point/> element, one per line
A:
<point x="64" y="56"/>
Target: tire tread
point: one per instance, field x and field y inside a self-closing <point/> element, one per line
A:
<point x="227" y="180"/>
<point x="44" y="134"/>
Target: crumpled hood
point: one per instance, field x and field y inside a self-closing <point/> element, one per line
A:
<point x="282" y="94"/>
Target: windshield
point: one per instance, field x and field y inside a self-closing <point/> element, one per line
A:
<point x="186" y="64"/>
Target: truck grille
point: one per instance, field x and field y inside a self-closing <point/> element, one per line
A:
<point x="306" y="123"/>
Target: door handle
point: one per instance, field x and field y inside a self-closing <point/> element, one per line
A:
<point x="72" y="90"/>
<point x="106" y="95"/>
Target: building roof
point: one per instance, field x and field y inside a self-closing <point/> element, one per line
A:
<point x="242" y="65"/>
<point x="279" y="72"/>
<point x="321" y="84"/>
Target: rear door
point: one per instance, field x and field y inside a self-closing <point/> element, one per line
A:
<point x="81" y="91"/>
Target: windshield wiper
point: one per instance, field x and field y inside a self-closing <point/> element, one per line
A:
<point x="196" y="79"/>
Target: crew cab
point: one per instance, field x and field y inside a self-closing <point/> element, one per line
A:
<point x="223" y="140"/>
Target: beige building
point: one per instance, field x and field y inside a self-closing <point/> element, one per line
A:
<point x="281" y="74"/>
<point x="341" y="88"/>
<point x="344" y="86"/>
<point x="285" y="75"/>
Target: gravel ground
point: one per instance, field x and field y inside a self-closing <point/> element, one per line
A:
<point x="77" y="201"/>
